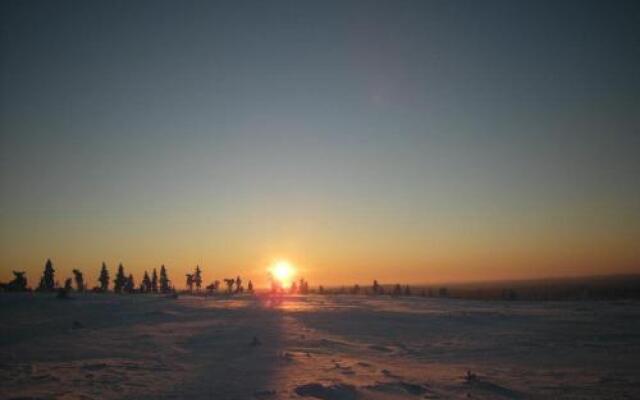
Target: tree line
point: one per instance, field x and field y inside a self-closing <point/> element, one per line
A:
<point x="160" y="283"/>
<point x="123" y="283"/>
<point x="377" y="289"/>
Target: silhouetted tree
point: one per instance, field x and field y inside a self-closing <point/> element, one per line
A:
<point x="154" y="281"/>
<point x="320" y="289"/>
<point x="63" y="292"/>
<point x="397" y="290"/>
<point x="129" y="284"/>
<point x="230" y="282"/>
<point x="197" y="278"/>
<point x="120" y="281"/>
<point x="376" y="287"/>
<point x="356" y="289"/>
<point x="294" y="288"/>
<point x="47" y="283"/>
<point x="190" y="282"/>
<point x="18" y="284"/>
<point x="239" y="288"/>
<point x="250" y="287"/>
<point x="303" y="286"/>
<point x="79" y="280"/>
<point x="407" y="291"/>
<point x="145" y="286"/>
<point x="213" y="287"/>
<point x="164" y="280"/>
<point x="104" y="278"/>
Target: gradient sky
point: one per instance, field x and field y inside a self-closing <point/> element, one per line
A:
<point x="413" y="141"/>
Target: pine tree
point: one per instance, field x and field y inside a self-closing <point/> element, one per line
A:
<point x="190" y="282"/>
<point x="79" y="280"/>
<point x="407" y="291"/>
<point x="239" y="288"/>
<point x="164" y="280"/>
<point x="145" y="287"/>
<point x="104" y="278"/>
<point x="120" y="281"/>
<point x="47" y="282"/>
<point x="129" y="284"/>
<point x="250" y="287"/>
<point x="154" y="281"/>
<point x="197" y="278"/>
<point x="397" y="290"/>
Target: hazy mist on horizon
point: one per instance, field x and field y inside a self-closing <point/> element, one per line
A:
<point x="412" y="141"/>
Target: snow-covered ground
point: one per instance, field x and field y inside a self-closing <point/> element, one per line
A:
<point x="328" y="347"/>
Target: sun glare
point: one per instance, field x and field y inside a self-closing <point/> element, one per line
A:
<point x="283" y="272"/>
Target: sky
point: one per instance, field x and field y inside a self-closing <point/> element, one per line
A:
<point x="404" y="141"/>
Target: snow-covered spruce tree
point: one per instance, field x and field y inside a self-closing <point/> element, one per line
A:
<point x="154" y="281"/>
<point x="104" y="278"/>
<point x="145" y="287"/>
<point x="18" y="284"/>
<point x="212" y="288"/>
<point x="197" y="278"/>
<point x="230" y="282"/>
<point x="164" y="280"/>
<point x="129" y="284"/>
<point x="47" y="282"/>
<point x="79" y="280"/>
<point x="120" y="281"/>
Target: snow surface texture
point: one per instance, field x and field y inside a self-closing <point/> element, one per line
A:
<point x="324" y="347"/>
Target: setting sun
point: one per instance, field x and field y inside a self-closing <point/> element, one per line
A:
<point x="283" y="272"/>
